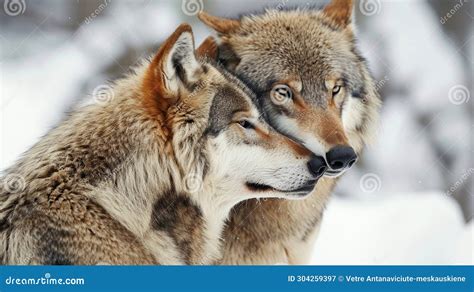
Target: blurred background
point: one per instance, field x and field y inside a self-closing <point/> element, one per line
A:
<point x="410" y="198"/>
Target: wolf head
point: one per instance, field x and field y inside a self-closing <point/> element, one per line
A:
<point x="214" y="131"/>
<point x="310" y="80"/>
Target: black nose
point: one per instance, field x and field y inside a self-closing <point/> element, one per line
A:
<point x="317" y="166"/>
<point x="341" y="157"/>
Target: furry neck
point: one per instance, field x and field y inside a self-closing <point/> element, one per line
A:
<point x="150" y="193"/>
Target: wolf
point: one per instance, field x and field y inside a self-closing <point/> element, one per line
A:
<point x="314" y="86"/>
<point x="150" y="176"/>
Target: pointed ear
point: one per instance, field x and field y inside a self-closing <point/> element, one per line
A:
<point x="174" y="66"/>
<point x="340" y="11"/>
<point x="208" y="49"/>
<point x="221" y="25"/>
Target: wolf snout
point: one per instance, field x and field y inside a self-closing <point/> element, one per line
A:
<point x="341" y="157"/>
<point x="317" y="166"/>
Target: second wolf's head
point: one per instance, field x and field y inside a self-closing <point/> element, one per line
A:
<point x="216" y="134"/>
<point x="309" y="77"/>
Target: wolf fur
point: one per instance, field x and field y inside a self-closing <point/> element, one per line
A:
<point x="150" y="176"/>
<point x="334" y="102"/>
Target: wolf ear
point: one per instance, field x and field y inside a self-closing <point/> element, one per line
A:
<point x="208" y="49"/>
<point x="340" y="11"/>
<point x="174" y="66"/>
<point x="221" y="25"/>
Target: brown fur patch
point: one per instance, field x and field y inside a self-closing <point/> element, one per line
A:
<point x="208" y="49"/>
<point x="264" y="135"/>
<point x="300" y="103"/>
<point x="156" y="96"/>
<point x="339" y="11"/>
<point x="221" y="25"/>
<point x="300" y="150"/>
<point x="287" y="143"/>
<point x="333" y="132"/>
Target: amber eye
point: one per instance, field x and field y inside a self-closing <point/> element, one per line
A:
<point x="246" y="125"/>
<point x="281" y="94"/>
<point x="336" y="89"/>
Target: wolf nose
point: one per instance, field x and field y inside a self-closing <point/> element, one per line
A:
<point x="317" y="166"/>
<point x="341" y="157"/>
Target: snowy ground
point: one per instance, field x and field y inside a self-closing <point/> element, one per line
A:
<point x="422" y="229"/>
<point x="381" y="213"/>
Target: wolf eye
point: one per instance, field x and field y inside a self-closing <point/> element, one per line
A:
<point x="246" y="125"/>
<point x="336" y="89"/>
<point x="281" y="94"/>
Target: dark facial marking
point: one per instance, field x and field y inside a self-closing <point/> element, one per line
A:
<point x="225" y="104"/>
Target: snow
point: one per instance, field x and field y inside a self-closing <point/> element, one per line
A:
<point x="423" y="141"/>
<point x="420" y="229"/>
<point x="36" y="90"/>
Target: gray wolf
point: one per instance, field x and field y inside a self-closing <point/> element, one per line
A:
<point x="314" y="86"/>
<point x="150" y="176"/>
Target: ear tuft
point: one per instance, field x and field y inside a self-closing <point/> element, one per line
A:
<point x="208" y="49"/>
<point x="221" y="25"/>
<point x="340" y="11"/>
